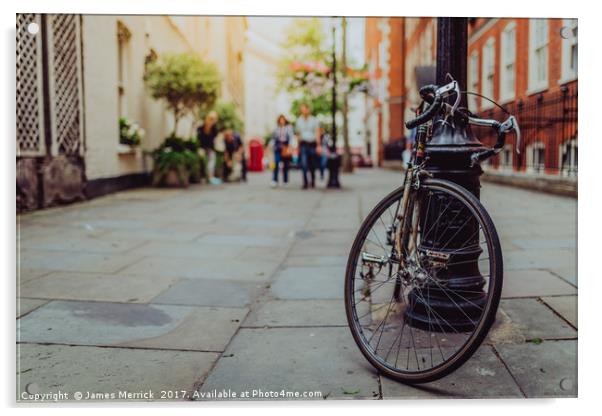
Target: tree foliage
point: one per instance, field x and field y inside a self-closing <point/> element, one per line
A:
<point x="306" y="70"/>
<point x="228" y="117"/>
<point x="184" y="81"/>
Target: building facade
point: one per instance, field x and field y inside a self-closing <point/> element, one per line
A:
<point x="527" y="65"/>
<point x="264" y="100"/>
<point x="78" y="74"/>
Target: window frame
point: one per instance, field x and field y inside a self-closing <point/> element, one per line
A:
<point x="568" y="74"/>
<point x="538" y="85"/>
<point x="572" y="147"/>
<point x="473" y="79"/>
<point x="487" y="70"/>
<point x="540" y="167"/>
<point x="507" y="94"/>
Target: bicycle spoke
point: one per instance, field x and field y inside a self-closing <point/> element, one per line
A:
<point x="397" y="298"/>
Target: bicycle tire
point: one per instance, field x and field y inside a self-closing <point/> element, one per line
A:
<point x="494" y="291"/>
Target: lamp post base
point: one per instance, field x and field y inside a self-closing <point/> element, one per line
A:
<point x="334" y="167"/>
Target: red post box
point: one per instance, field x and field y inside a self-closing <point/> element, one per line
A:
<point x="255" y="155"/>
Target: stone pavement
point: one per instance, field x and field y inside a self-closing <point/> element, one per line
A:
<point x="239" y="287"/>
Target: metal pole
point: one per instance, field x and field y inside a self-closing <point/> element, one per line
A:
<point x="449" y="153"/>
<point x="334" y="90"/>
<point x="334" y="160"/>
<point x="452" y="51"/>
<point x="347" y="165"/>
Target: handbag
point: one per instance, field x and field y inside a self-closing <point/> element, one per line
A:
<point x="285" y="152"/>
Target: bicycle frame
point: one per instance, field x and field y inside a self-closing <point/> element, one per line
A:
<point x="408" y="203"/>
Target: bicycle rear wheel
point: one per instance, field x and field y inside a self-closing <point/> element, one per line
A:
<point x="420" y="319"/>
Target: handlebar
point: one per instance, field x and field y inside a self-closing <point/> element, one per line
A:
<point x="434" y="95"/>
<point x="502" y="128"/>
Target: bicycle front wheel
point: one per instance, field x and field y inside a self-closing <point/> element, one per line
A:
<point x="420" y="314"/>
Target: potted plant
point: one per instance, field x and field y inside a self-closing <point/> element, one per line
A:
<point x="177" y="163"/>
<point x="170" y="168"/>
<point x="130" y="133"/>
<point x="186" y="83"/>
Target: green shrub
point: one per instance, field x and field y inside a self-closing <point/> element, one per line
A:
<point x="181" y="156"/>
<point x="184" y="81"/>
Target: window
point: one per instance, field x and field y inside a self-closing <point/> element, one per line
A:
<point x="568" y="158"/>
<point x="569" y="50"/>
<point x="508" y="63"/>
<point x="123" y="43"/>
<point x="473" y="80"/>
<point x="488" y="72"/>
<point x="538" y="55"/>
<point x="536" y="155"/>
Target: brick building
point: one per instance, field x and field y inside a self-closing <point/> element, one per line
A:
<point x="384" y="55"/>
<point x="527" y="65"/>
<point x="530" y="67"/>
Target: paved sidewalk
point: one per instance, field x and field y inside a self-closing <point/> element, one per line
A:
<point x="239" y="287"/>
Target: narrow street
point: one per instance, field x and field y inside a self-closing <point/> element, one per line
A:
<point x="240" y="287"/>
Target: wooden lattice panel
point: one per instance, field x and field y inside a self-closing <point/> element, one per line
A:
<point x="64" y="58"/>
<point x="30" y="110"/>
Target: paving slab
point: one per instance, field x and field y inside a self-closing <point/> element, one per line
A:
<point x="26" y="305"/>
<point x="325" y="237"/>
<point x="568" y="273"/>
<point x="71" y="369"/>
<point x="296" y="260"/>
<point x="545" y="243"/>
<point x="155" y="233"/>
<point x="309" y="283"/>
<point x="548" y="369"/>
<point x="320" y="249"/>
<point x="536" y="320"/>
<point x="185" y="250"/>
<point x="97" y="287"/>
<point x="210" y="292"/>
<point x="504" y="331"/>
<point x="270" y="254"/>
<point x="539" y="258"/>
<point x="278" y="313"/>
<point x="294" y="359"/>
<point x="565" y="306"/>
<point x="78" y="244"/>
<point x="246" y="240"/>
<point x="532" y="283"/>
<point x="25" y="274"/>
<point x="75" y="262"/>
<point x="132" y="325"/>
<point x="483" y="376"/>
<point x="209" y="268"/>
<point x="345" y="221"/>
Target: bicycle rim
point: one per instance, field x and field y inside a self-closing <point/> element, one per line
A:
<point x="444" y="307"/>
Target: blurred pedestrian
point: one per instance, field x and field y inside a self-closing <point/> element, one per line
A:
<point x="282" y="138"/>
<point x="307" y="129"/>
<point x="206" y="135"/>
<point x="233" y="156"/>
<point x="323" y="158"/>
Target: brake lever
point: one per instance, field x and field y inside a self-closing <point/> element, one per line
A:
<point x="512" y="124"/>
<point x="448" y="89"/>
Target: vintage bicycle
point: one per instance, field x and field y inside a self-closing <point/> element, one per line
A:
<point x="424" y="275"/>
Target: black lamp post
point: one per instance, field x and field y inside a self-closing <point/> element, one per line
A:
<point x="334" y="159"/>
<point x="449" y="153"/>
